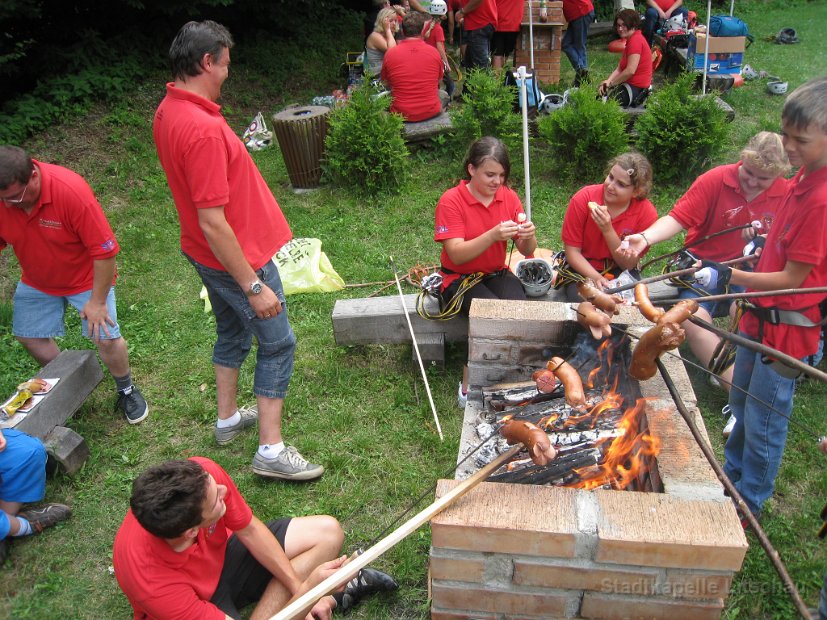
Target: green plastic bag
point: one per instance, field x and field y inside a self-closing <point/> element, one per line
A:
<point x="304" y="268"/>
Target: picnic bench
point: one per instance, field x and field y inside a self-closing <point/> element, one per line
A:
<point x="425" y="130"/>
<point x="381" y="320"/>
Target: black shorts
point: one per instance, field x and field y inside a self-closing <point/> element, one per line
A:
<point x="243" y="580"/>
<point x="503" y="43"/>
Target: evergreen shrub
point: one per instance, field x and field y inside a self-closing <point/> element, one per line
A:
<point x="364" y="148"/>
<point x="487" y="110"/>
<point x="584" y="135"/>
<point x="681" y="133"/>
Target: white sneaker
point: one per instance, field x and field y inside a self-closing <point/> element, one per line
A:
<point x="730" y="424"/>
<point x="462" y="398"/>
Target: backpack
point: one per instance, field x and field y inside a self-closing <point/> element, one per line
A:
<point x="729" y="26"/>
<point x="533" y="94"/>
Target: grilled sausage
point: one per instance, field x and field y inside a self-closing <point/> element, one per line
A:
<point x="532" y="437"/>
<point x="545" y="381"/>
<point x="660" y="338"/>
<point x="607" y="303"/>
<point x="594" y="319"/>
<point x="645" y="305"/>
<point x="572" y="383"/>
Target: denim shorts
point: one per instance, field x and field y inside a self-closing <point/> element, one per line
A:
<point x="478" y="47"/>
<point x="40" y="315"/>
<point x="715" y="308"/>
<point x="236" y="323"/>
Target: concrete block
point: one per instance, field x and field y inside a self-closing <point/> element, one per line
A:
<point x="431" y="348"/>
<point x="586" y="576"/>
<point x="543" y="605"/>
<point x="456" y="568"/>
<point x="611" y="607"/>
<point x="79" y="373"/>
<point x="67" y="448"/>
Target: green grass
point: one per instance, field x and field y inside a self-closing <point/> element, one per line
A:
<point x="361" y="411"/>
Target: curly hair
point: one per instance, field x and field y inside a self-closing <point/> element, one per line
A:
<point x="639" y="169"/>
<point x="765" y="151"/>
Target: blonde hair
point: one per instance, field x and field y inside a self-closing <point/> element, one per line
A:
<point x="639" y="170"/>
<point x="379" y="25"/>
<point x="765" y="151"/>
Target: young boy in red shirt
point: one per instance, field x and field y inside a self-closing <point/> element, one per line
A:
<point x="795" y="256"/>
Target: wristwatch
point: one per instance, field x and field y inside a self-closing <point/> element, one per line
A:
<point x="255" y="288"/>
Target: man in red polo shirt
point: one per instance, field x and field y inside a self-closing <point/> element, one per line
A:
<point x="478" y="19"/>
<point x="67" y="252"/>
<point x="412" y="70"/>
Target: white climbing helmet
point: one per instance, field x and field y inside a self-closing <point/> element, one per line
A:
<point x="676" y="22"/>
<point x="550" y="103"/>
<point x="438" y="7"/>
<point x="749" y="73"/>
<point x="536" y="276"/>
<point x="776" y="87"/>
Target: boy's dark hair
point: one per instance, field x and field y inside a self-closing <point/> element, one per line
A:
<point x="629" y="18"/>
<point x="412" y="23"/>
<point x="168" y="499"/>
<point x="807" y="105"/>
<point x="484" y="148"/>
<point x="15" y="166"/>
<point x="193" y="41"/>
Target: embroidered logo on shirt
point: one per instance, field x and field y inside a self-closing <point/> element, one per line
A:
<point x="50" y="224"/>
<point x="211" y="529"/>
<point x="107" y="245"/>
<point x="442" y="228"/>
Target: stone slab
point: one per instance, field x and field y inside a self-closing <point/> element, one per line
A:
<point x="67" y="448"/>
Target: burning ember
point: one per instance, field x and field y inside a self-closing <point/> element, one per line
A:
<point x="602" y="444"/>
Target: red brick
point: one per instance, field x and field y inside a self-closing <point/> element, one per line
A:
<point x="455" y="615"/>
<point x="611" y="607"/>
<point x="696" y="585"/>
<point x="457" y="569"/>
<point x="498" y="601"/>
<point x="604" y="580"/>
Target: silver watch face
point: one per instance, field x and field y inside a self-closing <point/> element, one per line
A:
<point x="255" y="288"/>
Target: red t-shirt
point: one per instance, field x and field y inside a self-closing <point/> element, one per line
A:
<point x="580" y="231"/>
<point x="65" y="233"/>
<point x="461" y="216"/>
<point x="207" y="166"/>
<point x="714" y="202"/>
<point x="665" y="5"/>
<point x="574" y="9"/>
<point x="437" y="35"/>
<point x="162" y="583"/>
<point x="509" y="15"/>
<point x="413" y="70"/>
<point x="484" y="14"/>
<point x="798" y="234"/>
<point x="636" y="44"/>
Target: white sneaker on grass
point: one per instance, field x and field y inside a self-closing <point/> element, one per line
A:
<point x="730" y="423"/>
<point x="462" y="397"/>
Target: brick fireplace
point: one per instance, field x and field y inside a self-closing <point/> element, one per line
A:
<point x="509" y="551"/>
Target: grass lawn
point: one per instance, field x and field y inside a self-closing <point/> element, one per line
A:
<point x="361" y="411"/>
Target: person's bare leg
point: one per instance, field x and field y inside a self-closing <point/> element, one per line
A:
<point x="226" y="387"/>
<point x="497" y="63"/>
<point x="703" y="343"/>
<point x="43" y="350"/>
<point x="115" y="356"/>
<point x="269" y="420"/>
<point x="310" y="541"/>
<point x="11" y="509"/>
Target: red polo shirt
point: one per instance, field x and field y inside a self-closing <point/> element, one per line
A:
<point x="207" y="165"/>
<point x="413" y="70"/>
<point x="636" y="44"/>
<point x="798" y="234"/>
<point x="461" y="216"/>
<point x="715" y="202"/>
<point x="580" y="231"/>
<point x="163" y="583"/>
<point x="574" y="9"/>
<point x="58" y="243"/>
<point x="484" y="14"/>
<point x="509" y="15"/>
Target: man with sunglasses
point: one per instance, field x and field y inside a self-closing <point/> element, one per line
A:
<point x="66" y="250"/>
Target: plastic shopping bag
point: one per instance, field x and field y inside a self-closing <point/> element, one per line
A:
<point x="304" y="268"/>
<point x="257" y="137"/>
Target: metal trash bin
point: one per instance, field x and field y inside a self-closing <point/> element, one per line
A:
<point x="301" y="132"/>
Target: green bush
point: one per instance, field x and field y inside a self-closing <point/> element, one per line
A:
<point x="364" y="148"/>
<point x="487" y="110"/>
<point x="584" y="135"/>
<point x="681" y="133"/>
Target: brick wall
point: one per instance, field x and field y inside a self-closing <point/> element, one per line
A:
<point x="547" y="41"/>
<point x="507" y="551"/>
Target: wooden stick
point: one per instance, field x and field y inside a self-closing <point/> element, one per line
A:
<point x="751" y="294"/>
<point x="675" y="274"/>
<point x="302" y="605"/>
<point x="759" y="347"/>
<point x="364" y="284"/>
<point x="772" y="554"/>
<point x="416" y="348"/>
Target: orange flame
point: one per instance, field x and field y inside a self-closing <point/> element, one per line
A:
<point x="627" y="456"/>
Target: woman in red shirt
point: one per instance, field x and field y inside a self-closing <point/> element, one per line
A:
<point x="634" y="72"/>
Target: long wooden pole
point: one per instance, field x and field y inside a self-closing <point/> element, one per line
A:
<point x="302" y="605"/>
<point x="416" y="349"/>
<point x="676" y="274"/>
<point x="751" y="294"/>
<point x="772" y="554"/>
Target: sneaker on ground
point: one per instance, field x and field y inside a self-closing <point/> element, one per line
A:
<point x="46" y="516"/>
<point x="730" y="424"/>
<point x="726" y="411"/>
<point x="133" y="405"/>
<point x="368" y="581"/>
<point x="288" y="465"/>
<point x="462" y="398"/>
<point x="249" y="416"/>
